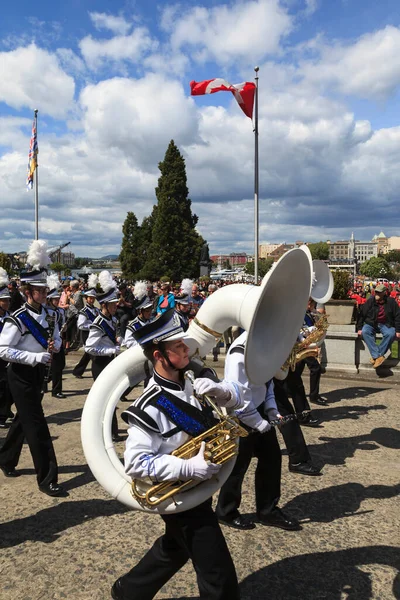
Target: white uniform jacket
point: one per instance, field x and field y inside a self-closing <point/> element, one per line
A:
<point x="152" y="436"/>
<point x="84" y="317"/>
<point x="18" y="344"/>
<point x="254" y="395"/>
<point x="129" y="340"/>
<point x="102" y="339"/>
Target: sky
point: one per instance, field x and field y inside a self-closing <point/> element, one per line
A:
<point x="111" y="83"/>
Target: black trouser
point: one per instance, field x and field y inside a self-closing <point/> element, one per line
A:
<point x="194" y="534"/>
<point x="291" y="431"/>
<point x="99" y="363"/>
<point x="295" y="388"/>
<point x="315" y="375"/>
<point x="57" y="367"/>
<point x="29" y="423"/>
<point x="80" y="368"/>
<point x="265" y="447"/>
<point x="5" y="395"/>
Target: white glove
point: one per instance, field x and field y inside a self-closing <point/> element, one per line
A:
<point x="264" y="426"/>
<point x="218" y="391"/>
<point x="117" y="350"/>
<point x="197" y="467"/>
<point x="43" y="358"/>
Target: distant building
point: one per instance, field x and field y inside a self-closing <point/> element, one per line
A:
<point x="67" y="258"/>
<point x="393" y="243"/>
<point x="382" y="242"/>
<point x="235" y="259"/>
<point x="264" y="250"/>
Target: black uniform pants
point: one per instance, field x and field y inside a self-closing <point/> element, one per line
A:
<point x="5" y="394"/>
<point x="29" y="423"/>
<point x="194" y="534"/>
<point x="80" y="368"/>
<point x="99" y="363"/>
<point x="265" y="447"/>
<point x="295" y="388"/>
<point x="291" y="431"/>
<point x="315" y="375"/>
<point x="57" y="367"/>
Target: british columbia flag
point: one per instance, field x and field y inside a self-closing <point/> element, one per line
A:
<point x="32" y="157"/>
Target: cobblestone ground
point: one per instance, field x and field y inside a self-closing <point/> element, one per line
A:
<point x="348" y="549"/>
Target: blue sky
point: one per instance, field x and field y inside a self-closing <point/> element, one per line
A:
<point x="111" y="82"/>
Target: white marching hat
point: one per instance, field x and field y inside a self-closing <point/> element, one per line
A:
<point x="109" y="291"/>
<point x="36" y="262"/>
<point x="167" y="327"/>
<point x="4" y="281"/>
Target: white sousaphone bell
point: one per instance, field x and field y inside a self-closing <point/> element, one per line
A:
<point x="271" y="314"/>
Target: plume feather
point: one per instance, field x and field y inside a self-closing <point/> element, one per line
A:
<point x="92" y="281"/>
<point x="53" y="282"/>
<point x="140" y="289"/>
<point x="37" y="256"/>
<point x="106" y="281"/>
<point x="3" y="277"/>
<point x="186" y="286"/>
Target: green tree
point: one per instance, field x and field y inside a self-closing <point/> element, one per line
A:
<point x="57" y="267"/>
<point x="130" y="248"/>
<point x="146" y="233"/>
<point x="5" y="262"/>
<point x="319" y="250"/>
<point x="264" y="265"/>
<point x="376" y="267"/>
<point x="392" y="256"/>
<point x="342" y="284"/>
<point x="226" y="264"/>
<point x="175" y="245"/>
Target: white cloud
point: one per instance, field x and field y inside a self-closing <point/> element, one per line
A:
<point x="116" y="24"/>
<point x="368" y="68"/>
<point x="131" y="48"/>
<point x="32" y="78"/>
<point x="244" y="31"/>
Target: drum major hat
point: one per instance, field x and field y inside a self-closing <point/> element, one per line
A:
<point x="37" y="260"/>
<point x="109" y="288"/>
<point x="92" y="282"/>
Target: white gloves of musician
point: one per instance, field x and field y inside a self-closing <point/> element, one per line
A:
<point x="197" y="467"/>
<point x="43" y="358"/>
<point x="264" y="426"/>
<point x="224" y="393"/>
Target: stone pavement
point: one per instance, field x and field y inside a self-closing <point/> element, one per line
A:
<point x="348" y="549"/>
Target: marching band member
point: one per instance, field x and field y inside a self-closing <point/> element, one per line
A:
<point x="183" y="310"/>
<point x="5" y="394"/>
<point x="86" y="317"/>
<point x="58" y="361"/>
<point x="260" y="408"/>
<point x="163" y="418"/>
<point x="102" y="343"/>
<point x="25" y="344"/>
<point x="144" y="308"/>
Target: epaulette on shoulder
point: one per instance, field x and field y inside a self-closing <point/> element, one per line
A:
<point x="137" y="410"/>
<point x="12" y="319"/>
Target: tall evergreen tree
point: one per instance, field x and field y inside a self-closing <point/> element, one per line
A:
<point x="130" y="249"/>
<point x="176" y="246"/>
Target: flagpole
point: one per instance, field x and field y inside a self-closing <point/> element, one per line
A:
<point x="256" y="180"/>
<point x="35" y="175"/>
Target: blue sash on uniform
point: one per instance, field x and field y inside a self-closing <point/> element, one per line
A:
<point x="39" y="332"/>
<point x="89" y="314"/>
<point x="108" y="331"/>
<point x="188" y="418"/>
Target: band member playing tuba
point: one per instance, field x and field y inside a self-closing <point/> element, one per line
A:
<point x="161" y="420"/>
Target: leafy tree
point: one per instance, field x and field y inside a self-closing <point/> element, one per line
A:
<point x="319" y="250"/>
<point x="130" y="248"/>
<point x="57" y="267"/>
<point x="5" y="262"/>
<point x="67" y="272"/>
<point x="376" y="267"/>
<point x="342" y="284"/>
<point x="264" y="265"/>
<point x="175" y="245"/>
<point x="146" y="232"/>
<point x="392" y="256"/>
<point x="226" y="264"/>
<point x="80" y="262"/>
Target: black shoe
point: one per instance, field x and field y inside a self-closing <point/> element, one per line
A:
<point x="320" y="401"/>
<point x="59" y="395"/>
<point x="116" y="438"/>
<point x="125" y="399"/>
<point x="54" y="489"/>
<point x="116" y="591"/>
<point x="309" y="420"/>
<point x="304" y="469"/>
<point x="239" y="522"/>
<point x="4" y="425"/>
<point x="278" y="519"/>
<point x="77" y="376"/>
<point x="10" y="472"/>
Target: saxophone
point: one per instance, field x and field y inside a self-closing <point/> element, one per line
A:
<point x="51" y="320"/>
<point x="221" y="446"/>
<point x="302" y="349"/>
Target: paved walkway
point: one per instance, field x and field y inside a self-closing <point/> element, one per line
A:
<point x="348" y="549"/>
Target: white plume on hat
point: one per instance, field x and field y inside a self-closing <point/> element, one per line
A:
<point x="140" y="289"/>
<point x="106" y="281"/>
<point x="92" y="280"/>
<point x="3" y="278"/>
<point x="186" y="286"/>
<point x="53" y="282"/>
<point x="37" y="256"/>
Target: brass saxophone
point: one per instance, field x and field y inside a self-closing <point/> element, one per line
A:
<point x="302" y="349"/>
<point x="221" y="446"/>
<point x="51" y="319"/>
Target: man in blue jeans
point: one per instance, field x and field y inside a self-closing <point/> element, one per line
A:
<point x="380" y="314"/>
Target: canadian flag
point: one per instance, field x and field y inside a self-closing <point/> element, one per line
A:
<point x="243" y="92"/>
